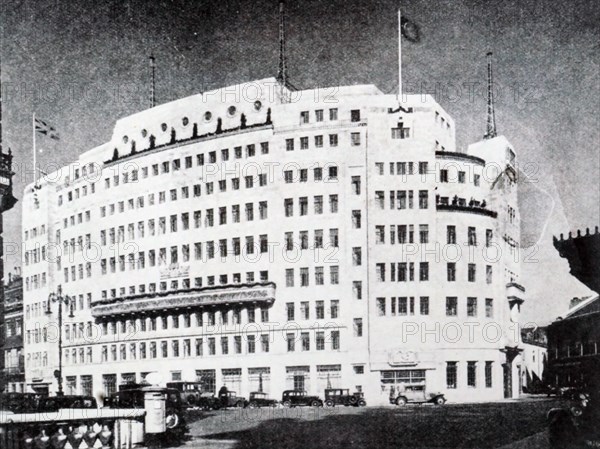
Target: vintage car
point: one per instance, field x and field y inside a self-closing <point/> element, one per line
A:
<point x="260" y="399"/>
<point x="575" y="423"/>
<point x="231" y="399"/>
<point x="294" y="398"/>
<point x="134" y="397"/>
<point x="208" y="401"/>
<point x="19" y="402"/>
<point x="416" y="394"/>
<point x="190" y="391"/>
<point x="342" y="396"/>
<point x="55" y="403"/>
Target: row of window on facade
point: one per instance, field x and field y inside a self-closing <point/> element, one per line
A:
<point x="297" y="377"/>
<point x="461" y="177"/>
<point x="35" y="281"/>
<point x="186" y="284"/>
<point x="35" y="232"/>
<point x="402" y="199"/>
<point x="304" y="310"/>
<point x="406" y="306"/>
<point x="304" y="274"/>
<point x="166" y="167"/>
<point x="452" y="378"/>
<point x="402" y="168"/>
<point x="301" y="175"/>
<point x="79" y="192"/>
<point x="319" y="115"/>
<point x="205" y="346"/>
<point x="405" y="271"/>
<point x="288" y="204"/>
<point x="573" y="349"/>
<point x="139" y="202"/>
<point x="304" y="143"/>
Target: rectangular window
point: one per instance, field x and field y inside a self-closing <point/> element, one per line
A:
<point x="289" y="144"/>
<point x="451" y="306"/>
<point x="358" y="327"/>
<point x="291" y="342"/>
<point x="488" y="374"/>
<point x="356" y="256"/>
<point x="304" y="117"/>
<point x="443" y="175"/>
<point x="423" y="199"/>
<point x="451" y="270"/>
<point x="333" y="204"/>
<point x="333" y="140"/>
<point x="355" y="115"/>
<point x="333" y="114"/>
<point x="304" y="143"/>
<point x="451" y="375"/>
<point x="423" y="271"/>
<point x="424" y="305"/>
<point x="451" y="235"/>
<point x="488" y="274"/>
<point x="355" y="139"/>
<point x="472" y="374"/>
<point x="471" y="275"/>
<point x="472" y="236"/>
<point x="489" y="308"/>
<point x="471" y="306"/>
<point x="288" y="205"/>
<point x="381" y="306"/>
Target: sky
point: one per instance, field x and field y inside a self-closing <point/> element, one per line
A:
<point x="81" y="65"/>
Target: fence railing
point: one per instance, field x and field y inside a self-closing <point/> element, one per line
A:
<point x="73" y="429"/>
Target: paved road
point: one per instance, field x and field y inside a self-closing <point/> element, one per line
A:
<point x="519" y="425"/>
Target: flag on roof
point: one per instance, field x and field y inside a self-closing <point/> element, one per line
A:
<point x="44" y="128"/>
<point x="410" y="30"/>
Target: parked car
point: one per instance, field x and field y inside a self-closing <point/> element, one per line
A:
<point x="294" y="398"/>
<point x="133" y="397"/>
<point x="416" y="394"/>
<point x="260" y="399"/>
<point x="231" y="399"/>
<point x="208" y="401"/>
<point x="575" y="423"/>
<point x="19" y="402"/>
<point x="55" y="403"/>
<point x="190" y="391"/>
<point x="342" y="396"/>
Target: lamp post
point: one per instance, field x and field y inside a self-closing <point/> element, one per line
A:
<point x="67" y="301"/>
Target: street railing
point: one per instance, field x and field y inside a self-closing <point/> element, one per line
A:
<point x="73" y="429"/>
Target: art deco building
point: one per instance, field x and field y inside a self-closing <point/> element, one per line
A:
<point x="257" y="237"/>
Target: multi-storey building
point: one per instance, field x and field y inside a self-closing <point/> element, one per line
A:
<point x="12" y="352"/>
<point x="252" y="235"/>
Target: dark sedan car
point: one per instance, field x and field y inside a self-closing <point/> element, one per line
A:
<point x="260" y="399"/>
<point x="294" y="398"/>
<point x="55" y="403"/>
<point x="19" y="402"/>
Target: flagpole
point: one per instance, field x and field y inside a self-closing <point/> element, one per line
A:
<point x="34" y="156"/>
<point x="399" y="57"/>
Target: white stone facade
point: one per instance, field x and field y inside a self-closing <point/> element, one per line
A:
<point x="325" y="260"/>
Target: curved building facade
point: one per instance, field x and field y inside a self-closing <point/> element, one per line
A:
<point x="261" y="238"/>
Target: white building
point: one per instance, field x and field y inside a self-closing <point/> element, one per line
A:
<point x="299" y="238"/>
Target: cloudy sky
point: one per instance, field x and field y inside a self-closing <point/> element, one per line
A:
<point x="81" y="65"/>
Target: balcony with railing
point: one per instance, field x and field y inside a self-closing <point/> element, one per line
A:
<point x="457" y="204"/>
<point x="190" y="299"/>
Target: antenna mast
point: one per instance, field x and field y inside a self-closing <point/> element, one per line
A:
<point x="282" y="72"/>
<point x="491" y="115"/>
<point x="152" y="86"/>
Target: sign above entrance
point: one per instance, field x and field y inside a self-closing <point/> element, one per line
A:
<point x="402" y="357"/>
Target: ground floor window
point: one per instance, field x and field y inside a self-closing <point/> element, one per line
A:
<point x="328" y="376"/>
<point x="232" y="378"/>
<point x="472" y="374"/>
<point x="451" y="374"/>
<point x="87" y="386"/>
<point x="71" y="385"/>
<point x="207" y="377"/>
<point x="488" y="374"/>
<point x="297" y="377"/>
<point x="395" y="380"/>
<point x="109" y="382"/>
<point x="259" y="379"/>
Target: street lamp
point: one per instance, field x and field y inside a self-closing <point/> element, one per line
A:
<point x="67" y="301"/>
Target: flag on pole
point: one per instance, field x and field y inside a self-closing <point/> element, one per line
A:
<point x="44" y="128"/>
<point x="410" y="30"/>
